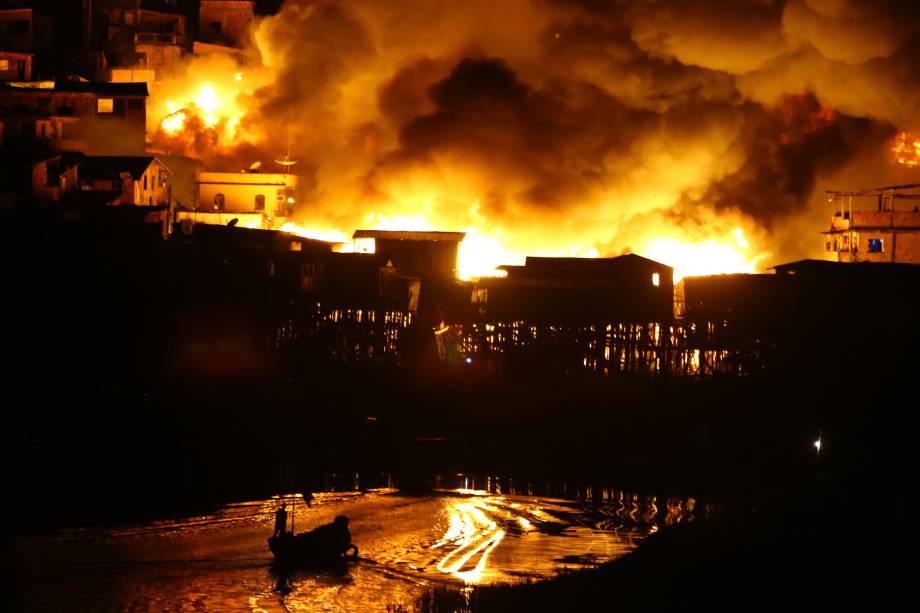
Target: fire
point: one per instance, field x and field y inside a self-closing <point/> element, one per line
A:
<point x="906" y="149"/>
<point x="174" y="122"/>
<point x="482" y="252"/>
<point x="216" y="110"/>
<point x="212" y="99"/>
<point x="342" y="241"/>
<point x="708" y="257"/>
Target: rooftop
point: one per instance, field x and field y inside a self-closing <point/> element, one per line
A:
<point x="111" y="166"/>
<point x="410" y="235"/>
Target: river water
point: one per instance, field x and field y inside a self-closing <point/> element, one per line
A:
<point x="408" y="544"/>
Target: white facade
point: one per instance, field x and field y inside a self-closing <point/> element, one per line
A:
<point x="271" y="195"/>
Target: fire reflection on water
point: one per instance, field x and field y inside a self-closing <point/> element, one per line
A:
<point x="474" y="535"/>
<point x="220" y="562"/>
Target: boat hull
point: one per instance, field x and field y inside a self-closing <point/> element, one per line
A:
<point x="301" y="550"/>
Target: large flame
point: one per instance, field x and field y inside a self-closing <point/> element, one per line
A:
<point x="215" y="109"/>
<point x="211" y="98"/>
<point x="481" y="252"/>
<point x="906" y="149"/>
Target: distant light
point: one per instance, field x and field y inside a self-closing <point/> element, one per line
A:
<point x="290" y="200"/>
<point x="469" y="360"/>
<point x="238" y="76"/>
<point x="656" y="279"/>
<point x="817" y="444"/>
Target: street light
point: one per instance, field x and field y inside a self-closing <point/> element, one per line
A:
<point x="817" y="445"/>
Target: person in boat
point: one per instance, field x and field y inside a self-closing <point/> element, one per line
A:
<point x="333" y="537"/>
<point x="281" y="520"/>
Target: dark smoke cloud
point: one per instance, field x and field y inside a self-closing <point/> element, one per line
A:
<point x="587" y="118"/>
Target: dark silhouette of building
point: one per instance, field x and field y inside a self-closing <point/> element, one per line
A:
<point x="581" y="290"/>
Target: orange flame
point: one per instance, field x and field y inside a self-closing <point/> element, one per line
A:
<point x="482" y="252"/>
<point x="214" y="98"/>
<point x="906" y="149"/>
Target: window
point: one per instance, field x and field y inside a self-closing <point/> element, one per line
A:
<point x="215" y="27"/>
<point x="875" y="245"/>
<point x="827" y="245"/>
<point x="105" y="105"/>
<point x="135" y="104"/>
<point x="4" y="64"/>
<point x="218" y="202"/>
<point x="260" y="202"/>
<point x="656" y="279"/>
<point x="145" y="182"/>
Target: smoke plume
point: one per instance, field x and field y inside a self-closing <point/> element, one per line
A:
<point x="574" y="127"/>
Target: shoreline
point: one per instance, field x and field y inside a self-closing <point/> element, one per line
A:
<point x="771" y="558"/>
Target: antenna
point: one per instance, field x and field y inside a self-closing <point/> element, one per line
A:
<point x="286" y="162"/>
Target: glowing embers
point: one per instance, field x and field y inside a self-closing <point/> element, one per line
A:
<point x="474" y="535"/>
<point x="906" y="149"/>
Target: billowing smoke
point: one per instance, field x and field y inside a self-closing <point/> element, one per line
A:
<point x="581" y="126"/>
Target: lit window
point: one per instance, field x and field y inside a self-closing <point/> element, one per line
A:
<point x="219" y="202"/>
<point x="875" y="245"/>
<point x="656" y="279"/>
<point x="4" y="64"/>
<point x="105" y="105"/>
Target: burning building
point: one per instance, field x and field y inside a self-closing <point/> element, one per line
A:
<point x="426" y="254"/>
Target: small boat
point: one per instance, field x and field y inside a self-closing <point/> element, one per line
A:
<point x="305" y="549"/>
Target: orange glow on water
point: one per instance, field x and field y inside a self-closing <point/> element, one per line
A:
<point x="471" y="536"/>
